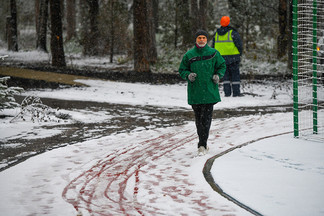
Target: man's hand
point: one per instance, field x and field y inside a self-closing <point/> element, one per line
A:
<point x="216" y="79"/>
<point x="192" y="77"/>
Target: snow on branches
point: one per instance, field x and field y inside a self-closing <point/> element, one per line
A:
<point x="33" y="109"/>
<point x="7" y="99"/>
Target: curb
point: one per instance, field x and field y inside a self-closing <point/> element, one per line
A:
<point x="209" y="178"/>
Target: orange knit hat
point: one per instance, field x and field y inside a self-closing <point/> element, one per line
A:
<point x="225" y="21"/>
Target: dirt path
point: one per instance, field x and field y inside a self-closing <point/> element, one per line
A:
<point x="48" y="77"/>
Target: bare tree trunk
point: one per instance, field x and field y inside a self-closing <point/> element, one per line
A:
<point x="176" y="30"/>
<point x="12" y="33"/>
<point x="91" y="30"/>
<point x="70" y="19"/>
<point x="282" y="38"/>
<point x="112" y="30"/>
<point x="85" y="25"/>
<point x="152" y="52"/>
<point x="184" y="22"/>
<point x="141" y="32"/>
<point x="156" y="14"/>
<point x="247" y="35"/>
<point x="37" y="12"/>
<point x="198" y="14"/>
<point x="57" y="50"/>
<point x="194" y="16"/>
<point x="41" y="43"/>
<point x="202" y="14"/>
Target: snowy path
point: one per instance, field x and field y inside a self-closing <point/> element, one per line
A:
<point x="118" y="183"/>
<point x="106" y="181"/>
<point x="152" y="172"/>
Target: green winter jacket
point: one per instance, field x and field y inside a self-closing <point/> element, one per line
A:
<point x="205" y="62"/>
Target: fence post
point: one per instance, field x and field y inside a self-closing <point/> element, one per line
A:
<point x="295" y="66"/>
<point x="315" y="106"/>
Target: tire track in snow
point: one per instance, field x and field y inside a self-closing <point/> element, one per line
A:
<point x="117" y="183"/>
<point x="101" y="189"/>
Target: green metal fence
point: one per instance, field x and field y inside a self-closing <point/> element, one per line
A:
<point x="308" y="66"/>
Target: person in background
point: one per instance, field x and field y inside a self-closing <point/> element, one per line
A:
<point x="228" y="42"/>
<point x="202" y="67"/>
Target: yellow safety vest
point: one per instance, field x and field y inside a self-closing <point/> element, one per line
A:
<point x="225" y="45"/>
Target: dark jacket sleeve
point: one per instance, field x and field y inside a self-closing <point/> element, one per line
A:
<point x="237" y="41"/>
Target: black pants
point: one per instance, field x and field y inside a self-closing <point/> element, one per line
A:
<point x="231" y="79"/>
<point x="203" y="118"/>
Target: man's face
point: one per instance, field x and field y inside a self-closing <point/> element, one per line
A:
<point x="201" y="40"/>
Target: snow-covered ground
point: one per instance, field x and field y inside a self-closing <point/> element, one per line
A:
<point x="275" y="176"/>
<point x="248" y="66"/>
<point x="156" y="172"/>
<point x="259" y="94"/>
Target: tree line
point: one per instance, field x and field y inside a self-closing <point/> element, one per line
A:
<point x="109" y="27"/>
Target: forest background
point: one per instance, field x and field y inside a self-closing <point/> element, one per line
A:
<point x="152" y="35"/>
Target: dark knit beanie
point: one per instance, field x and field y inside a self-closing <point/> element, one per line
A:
<point x="201" y="32"/>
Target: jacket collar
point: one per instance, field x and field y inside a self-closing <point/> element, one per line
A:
<point x="222" y="30"/>
<point x="200" y="49"/>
